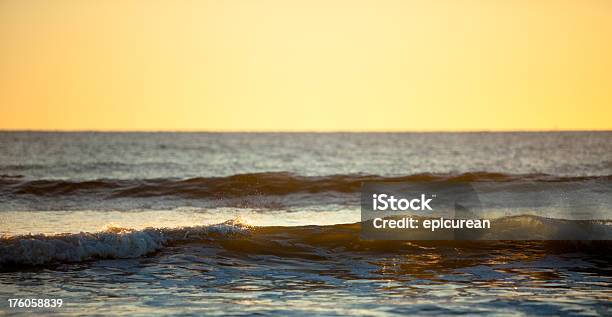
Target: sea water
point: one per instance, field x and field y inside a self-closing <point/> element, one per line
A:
<point x="268" y="223"/>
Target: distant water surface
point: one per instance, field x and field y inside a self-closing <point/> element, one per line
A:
<point x="81" y="156"/>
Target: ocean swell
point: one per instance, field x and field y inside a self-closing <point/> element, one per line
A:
<point x="270" y="183"/>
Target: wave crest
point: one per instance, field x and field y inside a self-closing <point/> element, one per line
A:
<point x="271" y="183"/>
<point x="311" y="242"/>
<point x="111" y="243"/>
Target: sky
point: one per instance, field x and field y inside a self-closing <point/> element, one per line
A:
<point x="293" y="65"/>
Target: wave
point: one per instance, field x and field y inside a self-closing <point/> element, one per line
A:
<point x="112" y="243"/>
<point x="237" y="237"/>
<point x="270" y="183"/>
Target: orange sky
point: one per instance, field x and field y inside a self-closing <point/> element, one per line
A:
<point x="258" y="65"/>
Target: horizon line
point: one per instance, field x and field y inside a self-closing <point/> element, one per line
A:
<point x="300" y="131"/>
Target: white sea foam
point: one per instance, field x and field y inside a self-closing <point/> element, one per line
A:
<point x="112" y="242"/>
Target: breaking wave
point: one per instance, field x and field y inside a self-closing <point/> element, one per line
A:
<point x="111" y="243"/>
<point x="235" y="236"/>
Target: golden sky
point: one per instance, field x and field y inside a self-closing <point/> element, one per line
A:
<point x="255" y="65"/>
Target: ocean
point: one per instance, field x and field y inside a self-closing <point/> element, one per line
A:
<point x="152" y="224"/>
